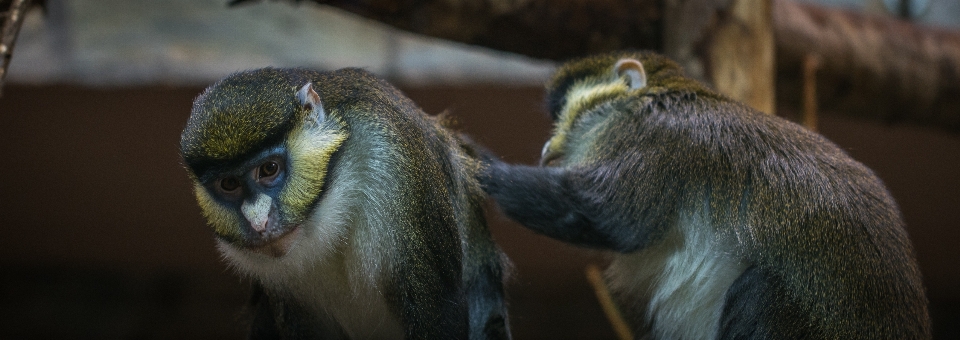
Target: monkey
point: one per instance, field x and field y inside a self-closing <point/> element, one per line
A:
<point x="722" y="222"/>
<point x="354" y="213"/>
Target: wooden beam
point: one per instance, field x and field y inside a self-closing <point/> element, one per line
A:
<point x="741" y="54"/>
<point x="726" y="43"/>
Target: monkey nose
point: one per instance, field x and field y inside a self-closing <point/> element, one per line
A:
<point x="259" y="226"/>
<point x="257" y="212"/>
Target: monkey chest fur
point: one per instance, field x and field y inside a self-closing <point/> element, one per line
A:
<point x="675" y="289"/>
<point x="334" y="301"/>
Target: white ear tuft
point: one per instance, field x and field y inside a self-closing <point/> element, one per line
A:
<point x="310" y="100"/>
<point x="633" y="70"/>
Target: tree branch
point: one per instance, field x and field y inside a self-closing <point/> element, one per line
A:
<point x="873" y="66"/>
<point x="546" y="29"/>
<point x="12" y="21"/>
<point x="886" y="68"/>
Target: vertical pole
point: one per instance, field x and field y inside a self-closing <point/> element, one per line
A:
<point x="741" y="54"/>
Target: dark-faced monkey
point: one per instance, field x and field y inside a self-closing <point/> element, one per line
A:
<point x="356" y="215"/>
<point x="725" y="222"/>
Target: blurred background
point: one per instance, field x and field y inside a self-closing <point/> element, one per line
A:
<point x="100" y="236"/>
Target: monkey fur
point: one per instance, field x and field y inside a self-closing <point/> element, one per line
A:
<point x="724" y="222"/>
<point x="356" y="215"/>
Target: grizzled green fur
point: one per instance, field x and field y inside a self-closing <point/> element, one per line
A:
<point x="694" y="190"/>
<point x="385" y="197"/>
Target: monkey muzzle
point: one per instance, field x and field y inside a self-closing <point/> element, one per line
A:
<point x="269" y="236"/>
<point x="277" y="246"/>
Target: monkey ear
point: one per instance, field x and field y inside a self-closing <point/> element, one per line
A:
<point x="633" y="70"/>
<point x="310" y="100"/>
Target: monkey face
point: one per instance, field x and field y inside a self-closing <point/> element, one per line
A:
<point x="588" y="89"/>
<point x="257" y="182"/>
<point x="584" y="95"/>
<point x="243" y="206"/>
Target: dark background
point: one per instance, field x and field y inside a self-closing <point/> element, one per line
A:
<point x="100" y="235"/>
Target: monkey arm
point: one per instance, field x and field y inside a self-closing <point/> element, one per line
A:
<point x="554" y="202"/>
<point x="425" y="285"/>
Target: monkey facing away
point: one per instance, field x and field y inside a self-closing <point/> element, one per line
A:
<point x="726" y="222"/>
<point x="356" y="215"/>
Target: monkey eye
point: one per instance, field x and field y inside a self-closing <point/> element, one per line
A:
<point x="268" y="169"/>
<point x="229" y="184"/>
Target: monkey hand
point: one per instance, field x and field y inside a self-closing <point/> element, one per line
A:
<point x="477" y="151"/>
<point x="491" y="172"/>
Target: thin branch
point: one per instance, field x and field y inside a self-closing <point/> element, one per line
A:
<point x="606" y="302"/>
<point x="811" y="63"/>
<point x="546" y="29"/>
<point x="12" y="21"/>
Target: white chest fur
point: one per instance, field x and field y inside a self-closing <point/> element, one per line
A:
<point x="339" y="288"/>
<point x="336" y="264"/>
<point x="360" y="309"/>
<point x="679" y="284"/>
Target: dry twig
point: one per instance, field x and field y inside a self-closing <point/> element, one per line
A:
<point x="12" y="21"/>
<point x="606" y="302"/>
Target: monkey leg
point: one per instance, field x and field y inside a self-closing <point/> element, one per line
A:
<point x="758" y="307"/>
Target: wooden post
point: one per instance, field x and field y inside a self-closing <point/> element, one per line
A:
<point x="729" y="44"/>
<point x="741" y="54"/>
